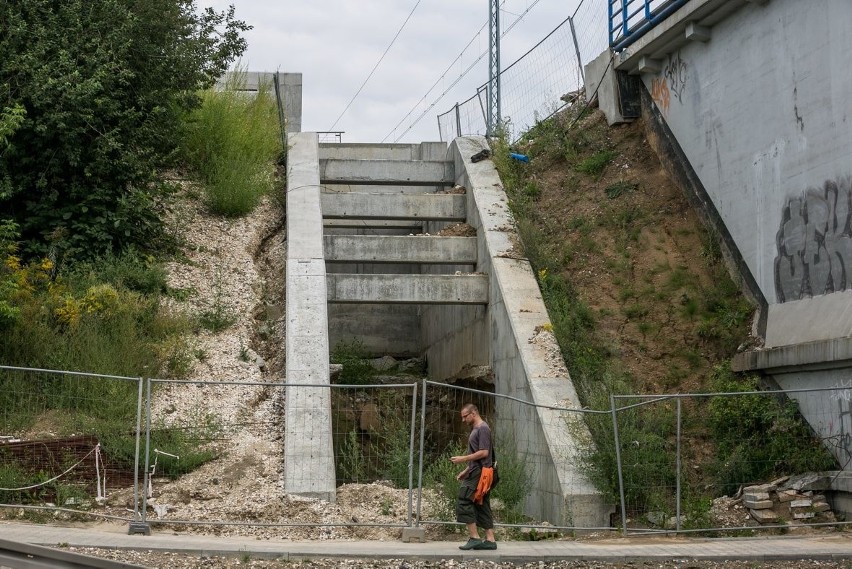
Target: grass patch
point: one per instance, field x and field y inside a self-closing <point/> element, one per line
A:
<point x="233" y="143"/>
<point x="595" y="164"/>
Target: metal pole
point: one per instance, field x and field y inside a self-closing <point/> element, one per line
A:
<point x="494" y="116"/>
<point x="147" y="453"/>
<point x="411" y="453"/>
<point x="577" y="50"/>
<point x="136" y="455"/>
<point x="618" y="462"/>
<point x="422" y="436"/>
<point x="677" y="466"/>
<point x="458" y="121"/>
<point x="141" y="525"/>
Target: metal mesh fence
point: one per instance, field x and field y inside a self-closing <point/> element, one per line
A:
<point x="532" y="473"/>
<point x="71" y="442"/>
<point x="670" y="447"/>
<point x="67" y="438"/>
<point x="532" y="87"/>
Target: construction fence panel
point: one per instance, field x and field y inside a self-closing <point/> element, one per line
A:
<point x="371" y="430"/>
<point x="69" y="442"/>
<point x="682" y="467"/>
<point x="530" y="490"/>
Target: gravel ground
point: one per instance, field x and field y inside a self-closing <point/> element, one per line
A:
<point x="167" y="560"/>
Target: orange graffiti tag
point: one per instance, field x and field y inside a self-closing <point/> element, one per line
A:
<point x="660" y="93"/>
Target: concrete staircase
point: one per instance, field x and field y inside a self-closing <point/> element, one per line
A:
<point x="366" y="261"/>
<point x="376" y="209"/>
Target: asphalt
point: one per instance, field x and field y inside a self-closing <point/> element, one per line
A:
<point x="645" y="548"/>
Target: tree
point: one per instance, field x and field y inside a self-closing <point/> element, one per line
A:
<point x="93" y="92"/>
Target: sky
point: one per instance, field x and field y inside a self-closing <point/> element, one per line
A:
<point x="336" y="44"/>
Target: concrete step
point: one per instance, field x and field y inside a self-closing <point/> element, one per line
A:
<point x="447" y="207"/>
<point x="407" y="289"/>
<point x="379" y="151"/>
<point x="400" y="249"/>
<point x="387" y="172"/>
<point x="349" y="226"/>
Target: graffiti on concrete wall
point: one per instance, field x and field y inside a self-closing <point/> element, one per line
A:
<point x="675" y="74"/>
<point x="661" y="94"/>
<point x="842" y="390"/>
<point x="671" y="82"/>
<point x="814" y="243"/>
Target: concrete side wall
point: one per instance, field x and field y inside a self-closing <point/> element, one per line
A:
<point x="518" y="352"/>
<point x="377" y="151"/>
<point x="308" y="449"/>
<point x="382" y="329"/>
<point x="762" y="112"/>
<point x="828" y="412"/>
<point x="291" y="91"/>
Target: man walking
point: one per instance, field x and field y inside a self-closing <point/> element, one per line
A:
<point x="474" y="504"/>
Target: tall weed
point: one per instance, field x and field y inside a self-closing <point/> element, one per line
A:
<point x="233" y="142"/>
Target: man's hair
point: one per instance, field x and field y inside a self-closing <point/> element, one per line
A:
<point x="470" y="407"/>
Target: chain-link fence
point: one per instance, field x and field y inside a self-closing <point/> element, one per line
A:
<point x="674" y="452"/>
<point x="539" y="83"/>
<point x="184" y="453"/>
<point x="67" y="439"/>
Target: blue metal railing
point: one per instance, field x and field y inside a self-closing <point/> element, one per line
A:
<point x="629" y="20"/>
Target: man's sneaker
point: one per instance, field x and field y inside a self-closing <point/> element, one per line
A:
<point x="485" y="545"/>
<point x="472" y="543"/>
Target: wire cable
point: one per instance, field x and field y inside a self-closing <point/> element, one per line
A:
<point x="459" y="78"/>
<point x="379" y="62"/>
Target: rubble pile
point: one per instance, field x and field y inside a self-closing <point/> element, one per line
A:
<point x="797" y="499"/>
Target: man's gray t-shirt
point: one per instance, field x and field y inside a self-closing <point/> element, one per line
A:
<point x="480" y="438"/>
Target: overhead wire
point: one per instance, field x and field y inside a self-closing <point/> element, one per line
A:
<point x="376" y="66"/>
<point x="459" y="78"/>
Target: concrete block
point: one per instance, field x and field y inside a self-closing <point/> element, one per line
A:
<point x="600" y="73"/>
<point x="757" y="504"/>
<point x="649" y="65"/>
<point x="695" y="32"/>
<point x="384" y="172"/>
<point x="764" y="516"/>
<point x="787" y="496"/>
<point x="802" y="503"/>
<point x="755" y="496"/>
<point x="408" y="289"/>
<point x="450" y="207"/>
<point x="413" y="534"/>
<point x="404" y="249"/>
<point x="803" y="515"/>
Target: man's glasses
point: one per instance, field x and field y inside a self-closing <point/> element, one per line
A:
<point x="464" y="415"/>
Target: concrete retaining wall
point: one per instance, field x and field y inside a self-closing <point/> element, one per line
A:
<point x="509" y="334"/>
<point x="762" y="112"/>
<point x="309" y="468"/>
<point x="759" y="106"/>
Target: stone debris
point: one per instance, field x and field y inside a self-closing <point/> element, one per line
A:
<point x="786" y="500"/>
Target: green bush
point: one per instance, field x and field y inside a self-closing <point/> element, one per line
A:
<point x="233" y="141"/>
<point x="770" y="439"/>
<point x="93" y="92"/>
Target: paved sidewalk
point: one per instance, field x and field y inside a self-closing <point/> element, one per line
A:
<point x="834" y="547"/>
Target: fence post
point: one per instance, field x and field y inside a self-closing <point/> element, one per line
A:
<point x="618" y="462"/>
<point x="422" y="443"/>
<point x="458" y="122"/>
<point x="577" y="50"/>
<point x="677" y="466"/>
<point x="136" y="454"/>
<point x="411" y="454"/>
<point x="142" y="526"/>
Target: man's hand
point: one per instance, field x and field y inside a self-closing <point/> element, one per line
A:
<point x="458" y="459"/>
